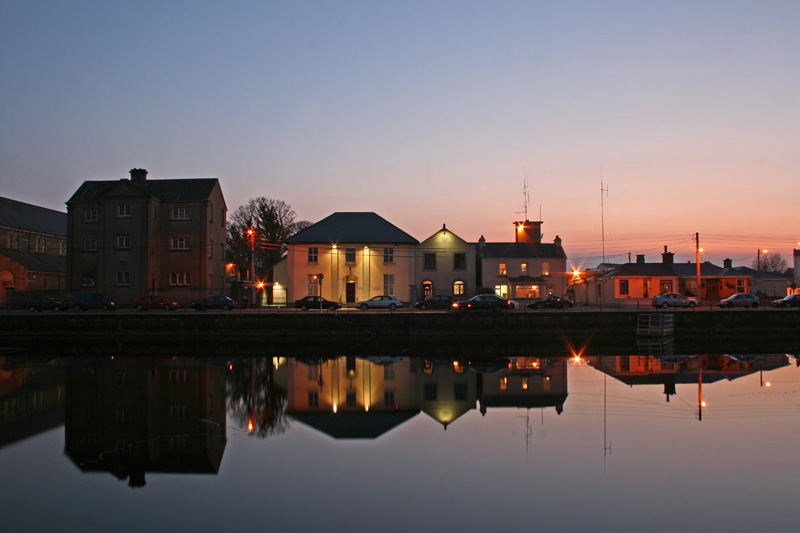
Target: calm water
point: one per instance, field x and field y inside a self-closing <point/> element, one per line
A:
<point x="397" y="444"/>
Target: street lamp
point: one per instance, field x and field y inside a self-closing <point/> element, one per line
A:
<point x="758" y="261"/>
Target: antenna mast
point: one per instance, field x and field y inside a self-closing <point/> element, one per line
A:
<point x="525" y="198"/>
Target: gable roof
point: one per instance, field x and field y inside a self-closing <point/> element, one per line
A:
<point x="678" y="270"/>
<point x="19" y="215"/>
<point x="501" y="250"/>
<point x="172" y="190"/>
<point x="352" y="228"/>
<point x="37" y="262"/>
<point x="354" y="425"/>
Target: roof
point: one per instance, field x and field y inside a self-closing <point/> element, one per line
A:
<point x="501" y="250"/>
<point x="678" y="270"/>
<point x="352" y="228"/>
<point x="19" y="215"/>
<point x="354" y="425"/>
<point x="37" y="262"/>
<point x="172" y="190"/>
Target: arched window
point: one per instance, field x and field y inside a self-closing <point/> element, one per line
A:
<point x="427" y="289"/>
<point x="459" y="289"/>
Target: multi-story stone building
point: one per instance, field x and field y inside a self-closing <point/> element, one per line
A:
<point x="132" y="237"/>
<point x="33" y="248"/>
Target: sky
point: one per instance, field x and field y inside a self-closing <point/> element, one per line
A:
<point x="427" y="113"/>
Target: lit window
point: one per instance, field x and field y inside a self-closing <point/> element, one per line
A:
<point x="388" y="255"/>
<point x="502" y="270"/>
<point x="523" y="269"/>
<point x="504" y="383"/>
<point x="459" y="289"/>
<point x="123" y="210"/>
<point x="349" y="255"/>
<point x="430" y="262"/>
<point x="123" y="241"/>
<point x="313" y="253"/>
<point x="545" y="269"/>
<point x="525" y="383"/>
<point x="90" y="215"/>
<point x="179" y="243"/>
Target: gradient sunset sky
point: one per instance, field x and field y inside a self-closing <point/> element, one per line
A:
<point x="427" y="113"/>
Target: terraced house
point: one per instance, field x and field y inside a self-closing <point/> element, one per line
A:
<point x="132" y="237"/>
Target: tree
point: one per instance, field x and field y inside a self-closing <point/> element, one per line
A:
<point x="770" y="263"/>
<point x="272" y="222"/>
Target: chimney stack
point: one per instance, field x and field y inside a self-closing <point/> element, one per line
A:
<point x="640" y="259"/>
<point x="667" y="257"/>
<point x="727" y="263"/>
<point x="557" y="241"/>
<point x="138" y="175"/>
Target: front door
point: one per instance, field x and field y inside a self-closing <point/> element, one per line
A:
<point x="350" y="292"/>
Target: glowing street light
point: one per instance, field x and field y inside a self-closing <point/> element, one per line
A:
<point x="758" y="255"/>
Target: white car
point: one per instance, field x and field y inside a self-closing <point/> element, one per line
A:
<point x="380" y="302"/>
<point x="673" y="299"/>
<point x="744" y="299"/>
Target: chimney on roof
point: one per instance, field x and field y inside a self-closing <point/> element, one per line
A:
<point x="727" y="263"/>
<point x="528" y="231"/>
<point x="640" y="259"/>
<point x="138" y="175"/>
<point x="667" y="257"/>
<point x="557" y="241"/>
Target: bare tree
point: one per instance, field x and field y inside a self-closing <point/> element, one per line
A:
<point x="770" y="263"/>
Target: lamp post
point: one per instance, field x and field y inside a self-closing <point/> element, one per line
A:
<point x="252" y="236"/>
<point x="758" y="260"/>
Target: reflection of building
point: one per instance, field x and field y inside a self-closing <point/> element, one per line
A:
<point x="528" y="382"/>
<point x="350" y="397"/>
<point x="445" y="391"/>
<point x="673" y="370"/>
<point x="129" y="417"/>
<point x="33" y="248"/>
<point x="31" y="398"/>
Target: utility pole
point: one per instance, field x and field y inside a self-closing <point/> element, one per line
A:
<point x="699" y="286"/>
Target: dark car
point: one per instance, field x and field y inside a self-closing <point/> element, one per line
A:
<point x="316" y="302"/>
<point x="440" y="301"/>
<point x="485" y="302"/>
<point x="551" y="302"/>
<point x="792" y="300"/>
<point x="46" y="304"/>
<point x="214" y="302"/>
<point x="83" y="301"/>
<point x="154" y="302"/>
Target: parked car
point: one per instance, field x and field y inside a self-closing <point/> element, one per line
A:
<point x="441" y="301"/>
<point x="83" y="301"/>
<point x="792" y="300"/>
<point x="673" y="299"/>
<point x="154" y="302"/>
<point x="316" y="302"/>
<point x="551" y="301"/>
<point x="46" y="304"/>
<point x="214" y="302"/>
<point x="744" y="299"/>
<point x="380" y="302"/>
<point x="490" y="302"/>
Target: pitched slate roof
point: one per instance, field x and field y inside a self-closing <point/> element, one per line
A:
<point x="19" y="215"/>
<point x="37" y="262"/>
<point x="500" y="250"/>
<point x="679" y="270"/>
<point x="172" y="190"/>
<point x="354" y="425"/>
<point x="352" y="228"/>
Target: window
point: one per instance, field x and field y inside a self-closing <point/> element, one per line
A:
<point x="177" y="410"/>
<point x="89" y="245"/>
<point x="210" y="213"/>
<point x="313" y="399"/>
<point x="459" y="289"/>
<point x="740" y="286"/>
<point x="177" y="375"/>
<point x="459" y="261"/>
<point x="523" y="269"/>
<point x="526" y="291"/>
<point x="87" y="280"/>
<point x="623" y="287"/>
<point x="504" y="383"/>
<point x="388" y="284"/>
<point x="180" y="279"/>
<point x="460" y="392"/>
<point x="123" y="241"/>
<point x="502" y="270"/>
<point x="38" y="245"/>
<point x="501" y="291"/>
<point x="179" y="243"/>
<point x="430" y="262"/>
<point x="388" y="255"/>
<point x="44" y="246"/>
<point x="388" y="372"/>
<point x="62" y="248"/>
<point x="666" y="286"/>
<point x="427" y="289"/>
<point x="388" y="398"/>
<point x="123" y="279"/>
<point x="313" y="372"/>
<point x="349" y="255"/>
<point x="313" y="254"/>
<point x="545" y="269"/>
<point x="210" y="249"/>
<point x="312" y="285"/>
<point x="10" y="240"/>
<point x="181" y="213"/>
<point x="525" y="383"/>
<point x="123" y="210"/>
<point x="430" y="392"/>
<point x="90" y="215"/>
<point x="350" y="399"/>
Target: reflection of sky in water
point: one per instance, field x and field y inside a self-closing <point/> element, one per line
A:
<point x="665" y="471"/>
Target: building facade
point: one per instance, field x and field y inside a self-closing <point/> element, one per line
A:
<point x="133" y="237"/>
<point x="33" y="248"/>
<point x="445" y="265"/>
